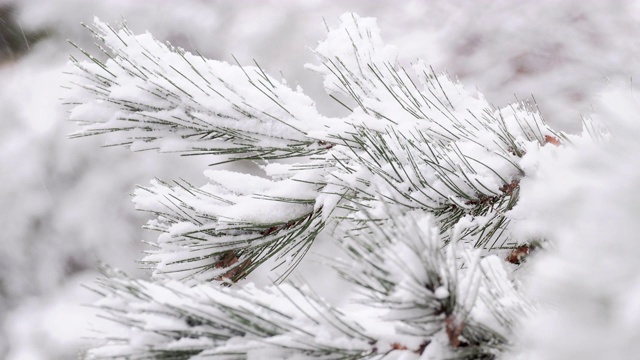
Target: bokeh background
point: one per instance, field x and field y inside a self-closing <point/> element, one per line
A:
<point x="64" y="205"/>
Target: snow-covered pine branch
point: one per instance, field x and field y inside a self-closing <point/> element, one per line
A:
<point x="229" y="227"/>
<point x="161" y="97"/>
<point x="415" y="298"/>
<point x="423" y="141"/>
<point x="417" y="141"/>
<point x="416" y="184"/>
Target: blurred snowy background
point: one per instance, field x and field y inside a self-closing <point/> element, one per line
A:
<point x="64" y="203"/>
